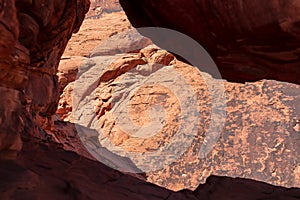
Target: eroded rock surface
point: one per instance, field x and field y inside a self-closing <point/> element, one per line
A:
<point x="53" y="162"/>
<point x="99" y="7"/>
<point x="95" y="31"/>
<point x="259" y="139"/>
<point x="33" y="36"/>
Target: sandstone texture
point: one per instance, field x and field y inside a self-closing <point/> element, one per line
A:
<point x="99" y="7"/>
<point x="258" y="140"/>
<point x="95" y="31"/>
<point x="33" y="36"/>
<point x="114" y="96"/>
<point x="248" y="40"/>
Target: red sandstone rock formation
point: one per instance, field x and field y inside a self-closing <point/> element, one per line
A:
<point x="260" y="123"/>
<point x="53" y="163"/>
<point x="248" y="39"/>
<point x="33" y="36"/>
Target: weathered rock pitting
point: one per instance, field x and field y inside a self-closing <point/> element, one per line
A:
<point x="258" y="140"/>
<point x="268" y="148"/>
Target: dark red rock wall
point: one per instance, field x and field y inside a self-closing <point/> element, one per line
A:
<point x="33" y="36"/>
<point x="248" y="39"/>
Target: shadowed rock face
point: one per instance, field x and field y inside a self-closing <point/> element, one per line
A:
<point x="33" y="36"/>
<point x="44" y="172"/>
<point x="248" y="39"/>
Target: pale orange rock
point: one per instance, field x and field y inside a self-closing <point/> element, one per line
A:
<point x="246" y="148"/>
<point x="240" y="150"/>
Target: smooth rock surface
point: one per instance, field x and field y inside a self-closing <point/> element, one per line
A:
<point x="249" y="40"/>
